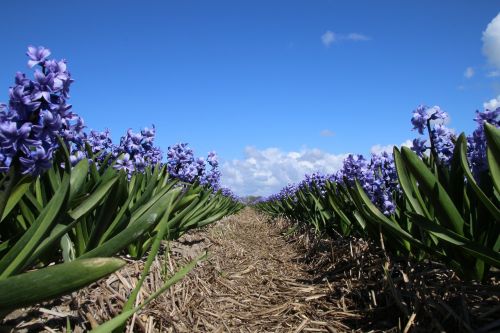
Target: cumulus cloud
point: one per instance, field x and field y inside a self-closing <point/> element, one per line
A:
<point x="330" y="37"/>
<point x="264" y="172"/>
<point x="492" y="104"/>
<point x="326" y="133"/>
<point x="378" y="149"/>
<point x="491" y="41"/>
<point x="469" y="72"/>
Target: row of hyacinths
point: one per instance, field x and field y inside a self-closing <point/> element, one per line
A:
<point x="378" y="176"/>
<point x="38" y="114"/>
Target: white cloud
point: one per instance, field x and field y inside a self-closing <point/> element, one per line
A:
<point x="378" y="149"/>
<point x="491" y="41"/>
<point x="492" y="104"/>
<point x="493" y="74"/>
<point x="326" y="133"/>
<point x="357" y="37"/>
<point x="469" y="72"/>
<point x="328" y="38"/>
<point x="264" y="172"/>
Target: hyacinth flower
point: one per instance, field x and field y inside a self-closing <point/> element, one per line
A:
<point x="138" y="147"/>
<point x="37" y="55"/>
<point x="419" y="146"/>
<point x="476" y="142"/>
<point x="37" y="114"/>
<point x="124" y="163"/>
<point x="442" y="139"/>
<point x="230" y="194"/>
<point x="182" y="164"/>
<point x="100" y="141"/>
<point x="211" y="177"/>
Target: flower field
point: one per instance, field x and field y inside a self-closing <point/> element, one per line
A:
<point x="71" y="201"/>
<point x="76" y="207"/>
<point x="437" y="200"/>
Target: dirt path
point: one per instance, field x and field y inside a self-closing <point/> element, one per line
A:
<point x="253" y="282"/>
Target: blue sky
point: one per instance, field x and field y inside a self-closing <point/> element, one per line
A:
<point x="244" y="77"/>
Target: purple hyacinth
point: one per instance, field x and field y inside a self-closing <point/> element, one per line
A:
<point x="37" y="114"/>
<point x="381" y="182"/>
<point x="476" y="142"/>
<point x="212" y="159"/>
<point x="441" y="137"/>
<point x="5" y="162"/>
<point x="182" y="164"/>
<point x="354" y="167"/>
<point x="419" y="118"/>
<point x="99" y="141"/>
<point x="179" y="159"/>
<point x="230" y="194"/>
<point x="313" y="182"/>
<point x="37" y="55"/>
<point x="124" y="163"/>
<point x="37" y="161"/>
<point x="138" y="146"/>
<point x="419" y="146"/>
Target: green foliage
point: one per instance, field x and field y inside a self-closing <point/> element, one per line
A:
<point x="69" y="222"/>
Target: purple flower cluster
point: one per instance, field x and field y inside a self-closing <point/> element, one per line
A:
<point x="315" y="181"/>
<point x="286" y="192"/>
<point x="377" y="176"/>
<point x="381" y="182"/>
<point x="37" y="114"/>
<point x="230" y="194"/>
<point x="137" y="150"/>
<point x="476" y="142"/>
<point x="354" y="167"/>
<point x="441" y="137"/>
<point x="182" y="164"/>
<point x="100" y="141"/>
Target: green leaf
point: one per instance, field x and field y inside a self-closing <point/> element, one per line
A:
<point x="58" y="231"/>
<point x="408" y="185"/>
<point x="53" y="281"/>
<point x="67" y="248"/>
<point x="17" y="193"/>
<point x="78" y="176"/>
<point x="470" y="178"/>
<point x="93" y="200"/>
<point x="494" y="165"/>
<point x="8" y="182"/>
<point x="493" y="139"/>
<point x="442" y="203"/>
<point x="121" y="319"/>
<point x="145" y="222"/>
<point x="23" y="248"/>
<point x="163" y="227"/>
<point x="386" y="223"/>
<point x="463" y="244"/>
